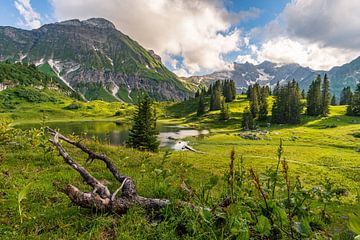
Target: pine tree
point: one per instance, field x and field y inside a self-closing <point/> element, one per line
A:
<point x="233" y="89"/>
<point x="287" y="107"/>
<point x="215" y="99"/>
<point x="263" y="108"/>
<point x="143" y="134"/>
<point x="333" y="100"/>
<point x="354" y="108"/>
<point x="255" y="100"/>
<point x="325" y="96"/>
<point x="201" y="104"/>
<point x="314" y="98"/>
<point x="346" y="96"/>
<point x="225" y="113"/>
<point x="303" y="94"/>
<point x="248" y="122"/>
<point x="276" y="89"/>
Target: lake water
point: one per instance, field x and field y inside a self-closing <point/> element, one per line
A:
<point x="116" y="134"/>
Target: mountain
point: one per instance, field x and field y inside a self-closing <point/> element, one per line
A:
<point x="94" y="59"/>
<point x="268" y="73"/>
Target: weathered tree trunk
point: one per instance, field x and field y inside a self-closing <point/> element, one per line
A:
<point x="101" y="198"/>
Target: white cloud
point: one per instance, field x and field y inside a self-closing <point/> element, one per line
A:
<point x="31" y="18"/>
<point x="200" y="31"/>
<point x="316" y="33"/>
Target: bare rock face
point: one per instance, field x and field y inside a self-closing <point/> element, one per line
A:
<point x="268" y="73"/>
<point x="93" y="57"/>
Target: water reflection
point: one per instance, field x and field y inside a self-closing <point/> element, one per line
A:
<point x="117" y="134"/>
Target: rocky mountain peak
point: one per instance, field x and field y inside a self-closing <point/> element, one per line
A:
<point x="99" y="22"/>
<point x="93" y="22"/>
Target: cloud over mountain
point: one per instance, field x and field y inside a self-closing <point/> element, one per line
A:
<point x="198" y="33"/>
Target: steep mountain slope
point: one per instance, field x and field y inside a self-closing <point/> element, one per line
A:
<point x="92" y="56"/>
<point x="268" y="73"/>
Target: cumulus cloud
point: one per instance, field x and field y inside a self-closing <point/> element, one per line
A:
<point x="200" y="31"/>
<point x="31" y="18"/>
<point x="316" y="33"/>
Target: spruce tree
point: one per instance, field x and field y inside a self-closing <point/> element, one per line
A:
<point x="276" y="89"/>
<point x="325" y="96"/>
<point x="346" y="96"/>
<point x="333" y="100"/>
<point x="225" y="113"/>
<point x="248" y="122"/>
<point x="303" y="94"/>
<point x="263" y="108"/>
<point x="287" y="107"/>
<point x="354" y="108"/>
<point x="314" y="99"/>
<point x="233" y="89"/>
<point x="255" y="101"/>
<point x="201" y="104"/>
<point x="215" y="99"/>
<point x="143" y="134"/>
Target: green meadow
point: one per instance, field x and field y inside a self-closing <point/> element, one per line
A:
<point x="317" y="151"/>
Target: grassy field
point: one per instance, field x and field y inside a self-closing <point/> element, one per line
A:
<point x="316" y="150"/>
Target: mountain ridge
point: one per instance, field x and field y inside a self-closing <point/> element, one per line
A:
<point x="87" y="53"/>
<point x="269" y="73"/>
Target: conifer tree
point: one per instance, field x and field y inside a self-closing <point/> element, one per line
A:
<point x="233" y="89"/>
<point x="333" y="100"/>
<point x="287" y="107"/>
<point x="255" y="100"/>
<point x="143" y="134"/>
<point x="276" y="89"/>
<point x="215" y="99"/>
<point x="314" y="98"/>
<point x="248" y="122"/>
<point x="225" y="112"/>
<point x="303" y="94"/>
<point x="346" y="96"/>
<point x="325" y="96"/>
<point x="201" y="104"/>
<point x="263" y="108"/>
<point x="354" y="108"/>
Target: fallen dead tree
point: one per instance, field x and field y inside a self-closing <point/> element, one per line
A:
<point x="100" y="198"/>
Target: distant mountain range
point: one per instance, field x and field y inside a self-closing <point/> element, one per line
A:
<point x="94" y="59"/>
<point x="268" y="73"/>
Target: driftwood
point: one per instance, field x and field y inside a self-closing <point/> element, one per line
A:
<point x="101" y="198"/>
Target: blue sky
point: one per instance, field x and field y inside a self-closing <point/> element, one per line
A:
<point x="201" y="36"/>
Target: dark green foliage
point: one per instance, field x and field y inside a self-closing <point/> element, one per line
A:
<point x="303" y="94"/>
<point x="28" y="94"/>
<point x="325" y="96"/>
<point x="263" y="109"/>
<point x="26" y="75"/>
<point x="215" y="98"/>
<point x="143" y="134"/>
<point x="333" y="100"/>
<point x="346" y="96"/>
<point x="225" y="112"/>
<point x="276" y="89"/>
<point x="257" y="96"/>
<point x="287" y="107"/>
<point x="229" y="90"/>
<point x="201" y="104"/>
<point x="314" y="98"/>
<point x="248" y="122"/>
<point x="354" y="108"/>
<point x="73" y="106"/>
<point x="255" y="100"/>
